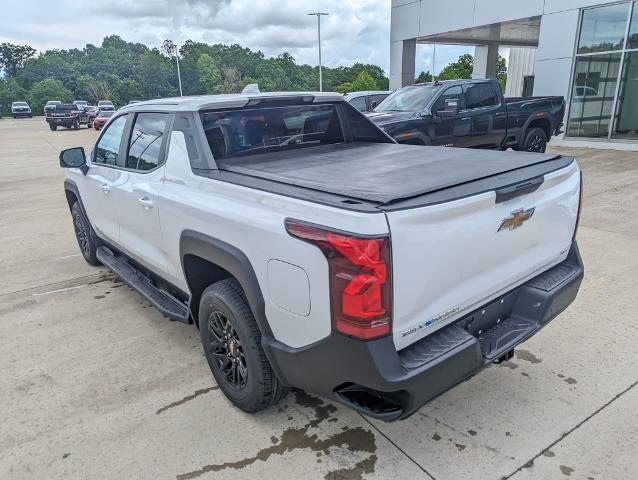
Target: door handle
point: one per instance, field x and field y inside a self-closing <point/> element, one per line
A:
<point x="145" y="202"/>
<point x="465" y="119"/>
<point x="105" y="188"/>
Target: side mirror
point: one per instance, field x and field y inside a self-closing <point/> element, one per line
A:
<point x="373" y="104"/>
<point x="74" y="158"/>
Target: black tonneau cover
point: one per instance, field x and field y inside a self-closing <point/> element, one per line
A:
<point x="380" y="172"/>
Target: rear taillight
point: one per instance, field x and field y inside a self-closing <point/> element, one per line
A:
<point x="580" y="206"/>
<point x="360" y="279"/>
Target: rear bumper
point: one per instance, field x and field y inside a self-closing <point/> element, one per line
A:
<point x="375" y="379"/>
<point x="62" y="122"/>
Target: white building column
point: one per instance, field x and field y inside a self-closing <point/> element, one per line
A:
<point x="402" y="63"/>
<point x="485" y="61"/>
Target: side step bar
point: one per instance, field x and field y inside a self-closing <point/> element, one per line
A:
<point x="165" y="303"/>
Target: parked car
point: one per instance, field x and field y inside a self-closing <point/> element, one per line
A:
<point x="20" y="109"/>
<point x="80" y="103"/>
<point x="67" y="115"/>
<point x="92" y="111"/>
<point x="469" y="113"/>
<point x="366" y="101"/>
<point x="102" y="117"/>
<point x="50" y="106"/>
<point x="106" y="106"/>
<point x="311" y="250"/>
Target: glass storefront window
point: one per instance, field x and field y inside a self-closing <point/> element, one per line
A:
<point x="593" y="93"/>
<point x="626" y="122"/>
<point x="633" y="30"/>
<point x="603" y="29"/>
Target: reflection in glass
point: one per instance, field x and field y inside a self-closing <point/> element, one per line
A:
<point x="603" y="29"/>
<point x="633" y="29"/>
<point x="595" y="79"/>
<point x="626" y="124"/>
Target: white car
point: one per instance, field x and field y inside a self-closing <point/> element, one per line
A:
<point x="21" y="109"/>
<point x="313" y="251"/>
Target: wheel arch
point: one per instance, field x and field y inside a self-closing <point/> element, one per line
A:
<point x="539" y="122"/>
<point x="206" y="260"/>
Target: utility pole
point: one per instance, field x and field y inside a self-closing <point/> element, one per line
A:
<point x="319" y="15"/>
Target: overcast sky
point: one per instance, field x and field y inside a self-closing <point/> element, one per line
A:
<point x="355" y="31"/>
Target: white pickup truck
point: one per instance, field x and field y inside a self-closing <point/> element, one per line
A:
<point x="313" y="251"/>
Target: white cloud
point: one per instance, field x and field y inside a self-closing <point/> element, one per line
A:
<point x="355" y="30"/>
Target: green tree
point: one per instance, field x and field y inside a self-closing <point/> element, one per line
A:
<point x="10" y="92"/>
<point x="424" y="77"/>
<point x="363" y="81"/>
<point x="460" y="69"/>
<point x="208" y="74"/>
<point x="232" y="81"/>
<point x="12" y="57"/>
<point x="464" y="67"/>
<point x="45" y="90"/>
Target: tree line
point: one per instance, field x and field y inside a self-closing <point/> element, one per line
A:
<point x="122" y="71"/>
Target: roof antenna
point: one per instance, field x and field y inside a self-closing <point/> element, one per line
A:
<point x="251" y="89"/>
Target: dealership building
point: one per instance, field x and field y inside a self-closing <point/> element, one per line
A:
<point x="585" y="50"/>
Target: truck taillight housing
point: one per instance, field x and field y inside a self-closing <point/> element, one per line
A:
<point x="360" y="278"/>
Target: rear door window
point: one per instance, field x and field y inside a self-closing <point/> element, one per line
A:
<point x="108" y="147"/>
<point x="480" y="95"/>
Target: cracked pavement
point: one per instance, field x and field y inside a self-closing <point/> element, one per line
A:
<point x="95" y="383"/>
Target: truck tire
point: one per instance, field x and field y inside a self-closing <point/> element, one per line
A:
<point x="82" y="229"/>
<point x="232" y="345"/>
<point x="53" y="127"/>
<point x="535" y="141"/>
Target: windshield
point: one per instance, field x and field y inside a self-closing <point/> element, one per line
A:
<point x="408" y="99"/>
<point x="105" y="114"/>
<point x="54" y="102"/>
<point x="81" y="102"/>
<point x="105" y="103"/>
<point x="20" y="104"/>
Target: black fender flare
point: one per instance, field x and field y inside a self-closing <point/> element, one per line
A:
<point x="232" y="260"/>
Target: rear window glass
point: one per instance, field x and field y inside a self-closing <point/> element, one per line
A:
<point x="261" y="130"/>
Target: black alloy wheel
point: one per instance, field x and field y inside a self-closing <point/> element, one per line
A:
<point x="226" y="349"/>
<point x="536" y="141"/>
<point x="83" y="235"/>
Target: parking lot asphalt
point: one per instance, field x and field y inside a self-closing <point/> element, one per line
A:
<point x="96" y="384"/>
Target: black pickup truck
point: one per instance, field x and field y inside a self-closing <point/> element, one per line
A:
<point x="67" y="115"/>
<point x="469" y="113"/>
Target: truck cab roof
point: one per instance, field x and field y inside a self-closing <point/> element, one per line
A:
<point x="233" y="100"/>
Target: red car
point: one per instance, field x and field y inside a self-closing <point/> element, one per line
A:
<point x="100" y="120"/>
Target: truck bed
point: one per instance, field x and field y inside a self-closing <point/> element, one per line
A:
<point x="385" y="174"/>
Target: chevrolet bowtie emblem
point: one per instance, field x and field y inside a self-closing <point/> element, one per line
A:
<point x="515" y="220"/>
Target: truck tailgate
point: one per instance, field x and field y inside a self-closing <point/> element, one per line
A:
<point x="450" y="258"/>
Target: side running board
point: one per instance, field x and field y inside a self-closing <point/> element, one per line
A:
<point x="165" y="303"/>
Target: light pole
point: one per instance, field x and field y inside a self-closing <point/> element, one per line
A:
<point x="318" y="15"/>
<point x="179" y="75"/>
<point x="169" y="47"/>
